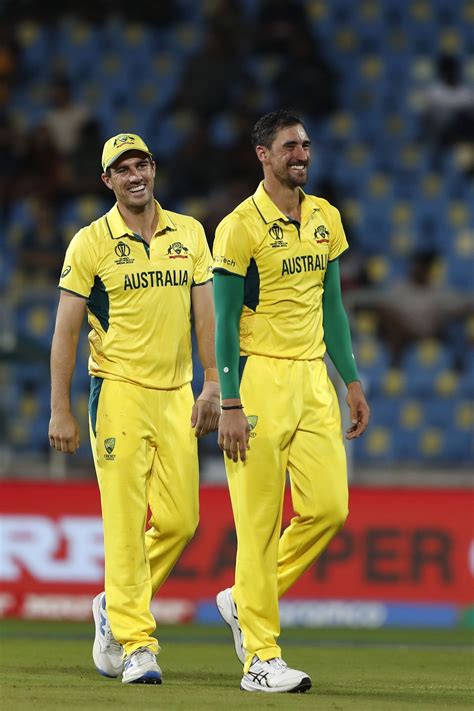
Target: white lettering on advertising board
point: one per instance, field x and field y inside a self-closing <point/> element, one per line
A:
<point x="68" y="550"/>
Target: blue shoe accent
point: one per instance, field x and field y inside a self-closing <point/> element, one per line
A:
<point x="107" y="653"/>
<point x="148" y="678"/>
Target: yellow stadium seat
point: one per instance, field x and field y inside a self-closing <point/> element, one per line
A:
<point x="431" y="441"/>
<point x="446" y="383"/>
<point x="378" y="440"/>
<point x="411" y="415"/>
<point x="393" y="382"/>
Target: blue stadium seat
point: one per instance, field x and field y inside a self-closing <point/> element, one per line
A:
<point x="36" y="49"/>
<point x="377" y="446"/>
<point x="35" y="320"/>
<point x="460" y="272"/>
<point x="466" y="387"/>
<point x="373" y="361"/>
<point x="411" y="414"/>
<point x="79" y="44"/>
<point x="384" y="411"/>
<point x="445" y="445"/>
<point x="405" y="444"/>
<point x="423" y="363"/>
<point x="441" y="412"/>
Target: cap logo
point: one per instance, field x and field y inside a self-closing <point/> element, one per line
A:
<point x="124" y="138"/>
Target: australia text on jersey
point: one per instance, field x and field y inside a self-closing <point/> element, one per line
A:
<point x="143" y="280"/>
<point x="304" y="263"/>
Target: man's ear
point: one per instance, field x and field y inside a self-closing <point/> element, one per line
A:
<point x="106" y="180"/>
<point x="261" y="152"/>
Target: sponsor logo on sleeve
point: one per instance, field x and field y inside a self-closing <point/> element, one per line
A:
<point x="220" y="259"/>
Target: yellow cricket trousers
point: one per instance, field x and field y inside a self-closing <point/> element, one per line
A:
<point x="295" y="419"/>
<point x="145" y="454"/>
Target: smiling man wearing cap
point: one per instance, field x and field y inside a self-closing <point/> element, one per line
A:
<point x="140" y="270"/>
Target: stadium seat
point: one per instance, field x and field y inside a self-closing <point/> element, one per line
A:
<point x="423" y="363"/>
<point x="466" y="386"/>
<point x="377" y="446"/>
<point x="78" y="43"/>
<point x="372" y="359"/>
<point x="35" y="321"/>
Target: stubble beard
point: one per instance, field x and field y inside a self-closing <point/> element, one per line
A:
<point x="292" y="183"/>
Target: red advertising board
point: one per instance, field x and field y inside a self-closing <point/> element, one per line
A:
<point x="397" y="545"/>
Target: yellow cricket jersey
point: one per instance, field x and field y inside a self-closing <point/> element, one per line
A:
<point x="139" y="296"/>
<point x="283" y="264"/>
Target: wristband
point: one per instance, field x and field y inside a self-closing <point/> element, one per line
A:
<point x="232" y="407"/>
<point x="211" y="375"/>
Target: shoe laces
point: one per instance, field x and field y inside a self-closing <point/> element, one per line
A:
<point x="142" y="654"/>
<point x="115" y="646"/>
<point x="277" y="664"/>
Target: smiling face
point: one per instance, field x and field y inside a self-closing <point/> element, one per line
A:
<point x="132" y="179"/>
<point x="288" y="157"/>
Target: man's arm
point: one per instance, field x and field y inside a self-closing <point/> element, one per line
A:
<point x="234" y="429"/>
<point x="337" y="337"/>
<point x="206" y="410"/>
<point x="63" y="427"/>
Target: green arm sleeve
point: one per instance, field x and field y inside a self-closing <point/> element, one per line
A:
<point x="228" y="302"/>
<point x="337" y="334"/>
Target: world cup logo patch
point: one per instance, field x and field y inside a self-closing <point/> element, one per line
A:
<point x="276" y="233"/>
<point x="122" y="250"/>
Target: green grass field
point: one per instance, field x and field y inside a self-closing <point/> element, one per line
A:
<point x="47" y="666"/>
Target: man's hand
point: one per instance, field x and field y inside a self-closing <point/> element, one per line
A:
<point x="233" y="436"/>
<point x="358" y="408"/>
<point x="206" y="410"/>
<point x="64" y="432"/>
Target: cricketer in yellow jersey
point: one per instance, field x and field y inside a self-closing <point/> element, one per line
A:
<point x="140" y="270"/>
<point x="278" y="309"/>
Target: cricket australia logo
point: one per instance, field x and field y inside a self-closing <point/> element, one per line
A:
<point x="321" y="234"/>
<point x="276" y="233"/>
<point x="122" y="139"/>
<point x="109" y="445"/>
<point x="177" y="250"/>
<point x="252" y="420"/>
<point x="122" y="250"/>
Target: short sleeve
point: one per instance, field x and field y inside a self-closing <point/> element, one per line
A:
<point x="78" y="272"/>
<point x="232" y="249"/>
<point x="203" y="266"/>
<point x="338" y="243"/>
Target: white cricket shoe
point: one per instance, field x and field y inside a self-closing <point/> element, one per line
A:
<point x="274" y="676"/>
<point x="140" y="667"/>
<point x="228" y="609"/>
<point x="107" y="653"/>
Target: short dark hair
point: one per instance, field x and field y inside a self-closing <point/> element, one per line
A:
<point x="266" y="128"/>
